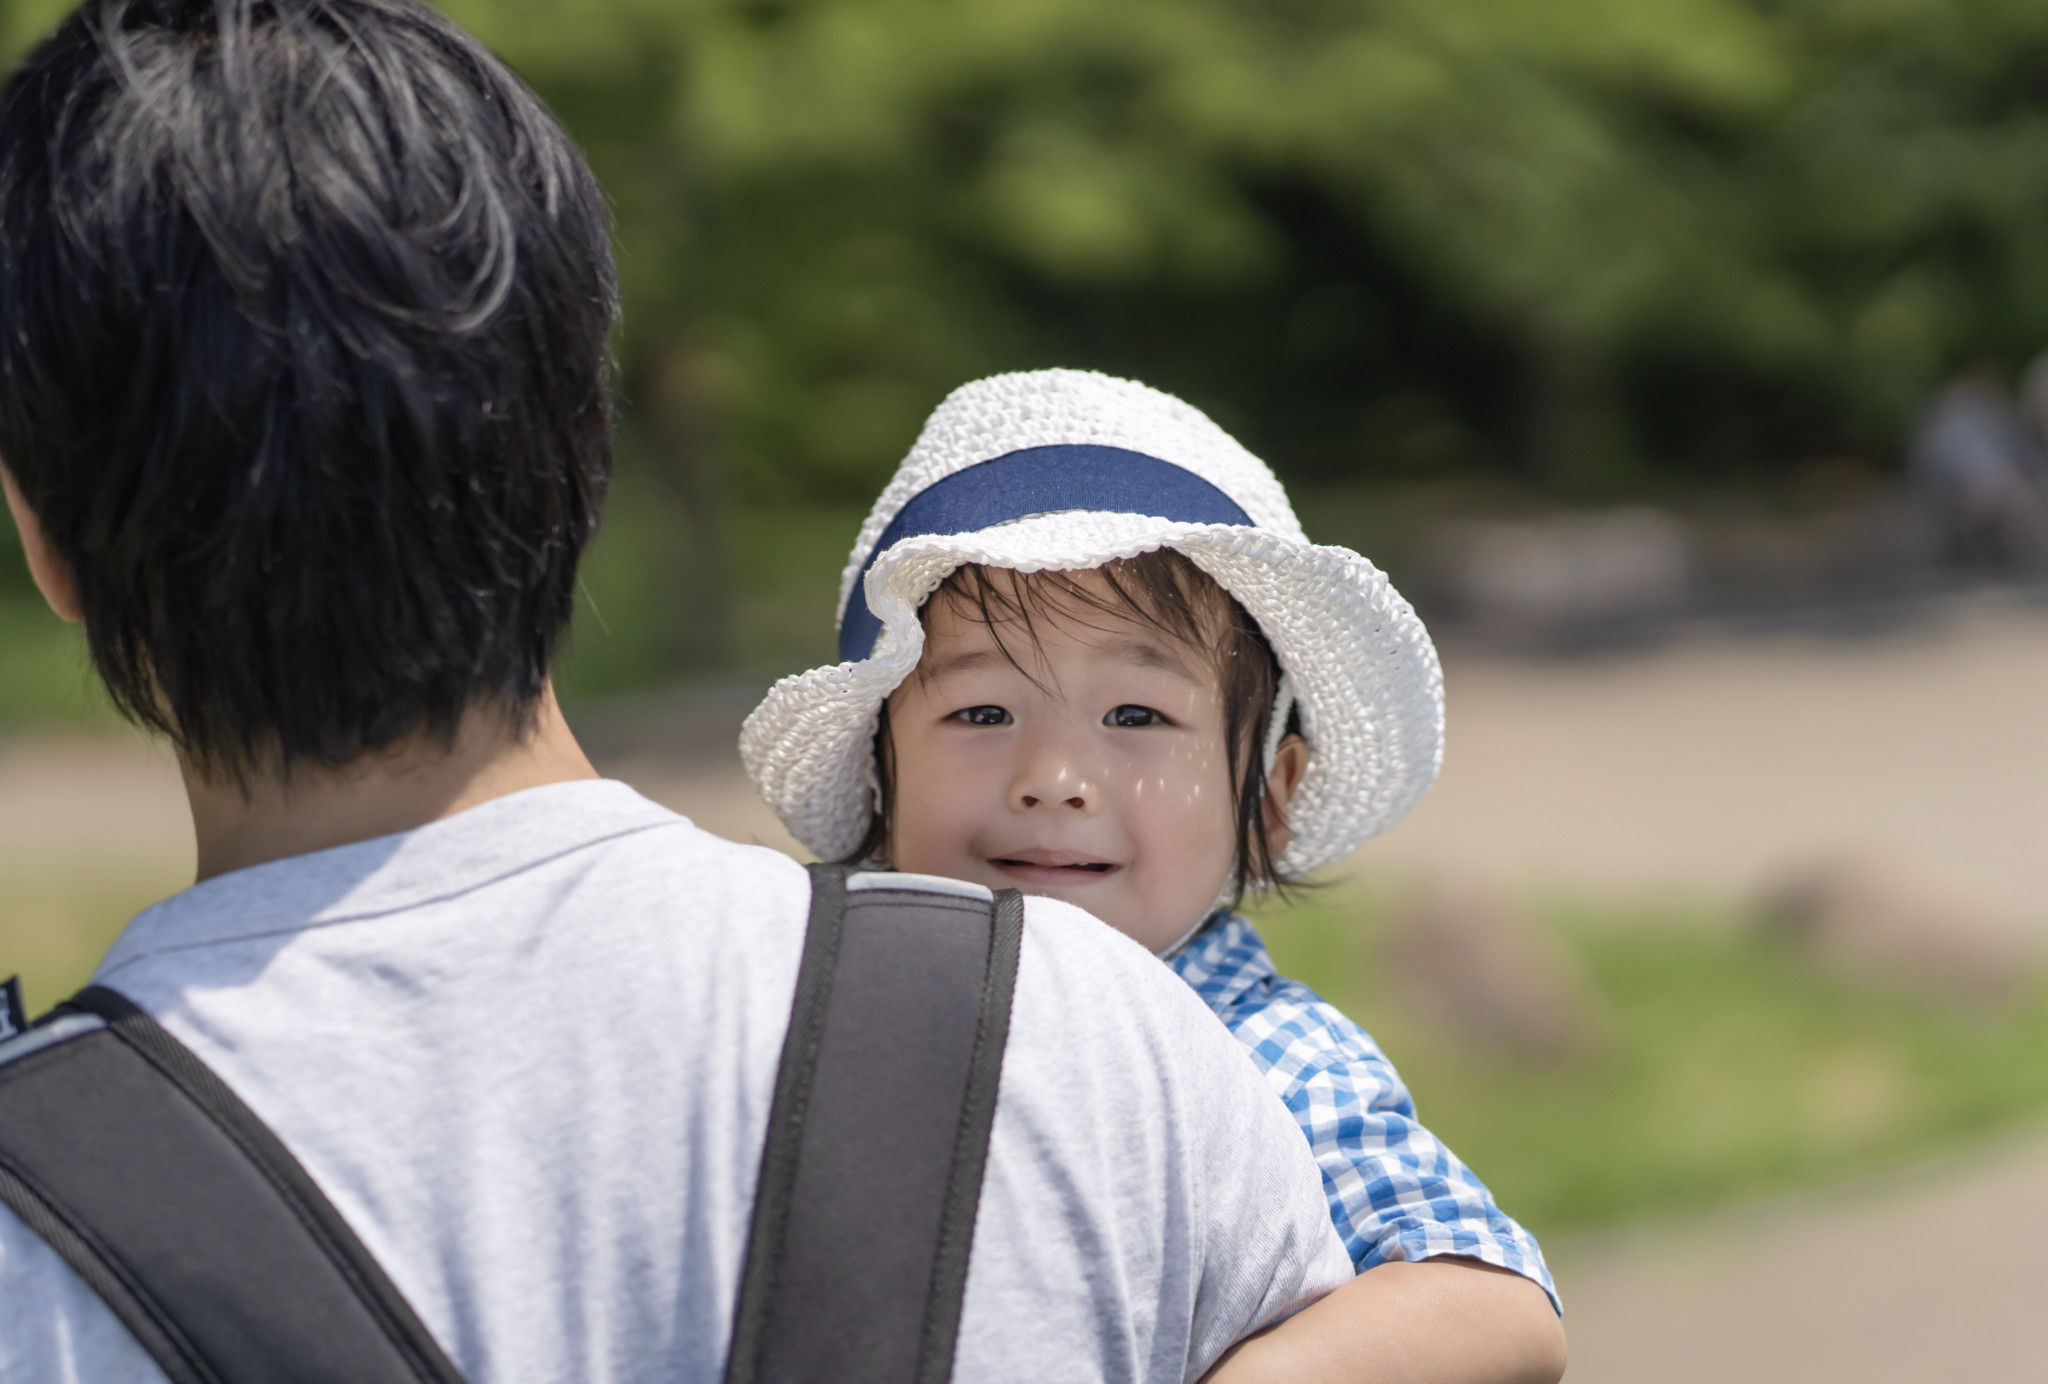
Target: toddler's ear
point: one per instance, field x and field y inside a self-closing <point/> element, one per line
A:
<point x="1290" y="762"/>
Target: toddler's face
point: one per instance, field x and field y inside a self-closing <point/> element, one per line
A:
<point x="1102" y="777"/>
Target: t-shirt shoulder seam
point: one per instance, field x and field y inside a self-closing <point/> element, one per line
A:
<point x="418" y="901"/>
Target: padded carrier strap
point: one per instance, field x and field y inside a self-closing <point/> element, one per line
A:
<point x="207" y="1238"/>
<point x="184" y="1212"/>
<point x="871" y="1171"/>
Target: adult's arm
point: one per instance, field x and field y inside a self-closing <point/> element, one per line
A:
<point x="1269" y="1249"/>
<point x="1441" y="1321"/>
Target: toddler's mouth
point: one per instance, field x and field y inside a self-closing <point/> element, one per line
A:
<point x="1052" y="867"/>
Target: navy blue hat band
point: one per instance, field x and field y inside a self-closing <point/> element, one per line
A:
<point x="1037" y="480"/>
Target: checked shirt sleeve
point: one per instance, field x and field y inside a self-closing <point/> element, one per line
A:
<point x="1395" y="1191"/>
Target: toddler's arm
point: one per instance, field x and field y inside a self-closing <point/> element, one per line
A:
<point x="1396" y="1193"/>
<point x="1442" y="1321"/>
<point x="1450" y="1289"/>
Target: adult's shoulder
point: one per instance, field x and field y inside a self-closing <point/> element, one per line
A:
<point x="663" y="843"/>
<point x="1126" y="1030"/>
<point x="1137" y="1149"/>
<point x="1101" y="978"/>
<point x="739" y="866"/>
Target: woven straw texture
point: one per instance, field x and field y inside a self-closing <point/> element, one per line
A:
<point x="1042" y="408"/>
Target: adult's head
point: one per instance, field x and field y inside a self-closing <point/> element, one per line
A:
<point x="303" y="367"/>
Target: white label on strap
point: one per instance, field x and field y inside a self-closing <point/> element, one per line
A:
<point x="49" y="1035"/>
<point x="924" y="884"/>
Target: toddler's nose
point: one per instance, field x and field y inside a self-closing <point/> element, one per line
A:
<point x="1046" y="786"/>
<point x="1077" y="800"/>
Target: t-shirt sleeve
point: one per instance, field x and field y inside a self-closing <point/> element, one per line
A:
<point x="1270" y="1248"/>
<point x="1162" y="1120"/>
<point x="53" y="1328"/>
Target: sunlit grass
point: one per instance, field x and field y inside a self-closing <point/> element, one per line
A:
<point x="1729" y="1066"/>
<point x="55" y="925"/>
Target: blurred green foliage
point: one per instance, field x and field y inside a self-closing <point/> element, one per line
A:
<point x="1370" y="233"/>
<point x="1597" y="246"/>
<point x="44" y="672"/>
<point x="785" y="563"/>
<point x="1730" y="1066"/>
<point x="1591" y="246"/>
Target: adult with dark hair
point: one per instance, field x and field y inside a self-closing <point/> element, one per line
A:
<point x="303" y="414"/>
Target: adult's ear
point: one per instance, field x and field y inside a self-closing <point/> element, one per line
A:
<point x="52" y="573"/>
<point x="1290" y="762"/>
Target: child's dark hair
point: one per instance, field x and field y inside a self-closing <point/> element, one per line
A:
<point x="1164" y="591"/>
<point x="304" y="308"/>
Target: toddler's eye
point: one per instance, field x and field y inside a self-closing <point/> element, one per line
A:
<point x="983" y="716"/>
<point x="1133" y="716"/>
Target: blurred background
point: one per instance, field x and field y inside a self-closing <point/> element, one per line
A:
<point x="1677" y="359"/>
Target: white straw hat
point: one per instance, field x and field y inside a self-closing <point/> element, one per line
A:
<point x="1067" y="469"/>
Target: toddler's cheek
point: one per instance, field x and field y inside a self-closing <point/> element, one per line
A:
<point x="1186" y="864"/>
<point x="920" y="845"/>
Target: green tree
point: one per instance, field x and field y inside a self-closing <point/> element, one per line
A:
<point x="1593" y="243"/>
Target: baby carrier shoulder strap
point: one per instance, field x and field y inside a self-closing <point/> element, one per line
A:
<point x="871" y="1171"/>
<point x="208" y="1240"/>
<point x="187" y="1215"/>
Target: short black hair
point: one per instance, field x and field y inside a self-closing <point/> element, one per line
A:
<point x="304" y="366"/>
<point x="1161" y="590"/>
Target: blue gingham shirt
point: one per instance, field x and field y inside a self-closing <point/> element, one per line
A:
<point x="1395" y="1191"/>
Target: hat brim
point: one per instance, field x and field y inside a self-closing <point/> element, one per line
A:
<point x="1362" y="666"/>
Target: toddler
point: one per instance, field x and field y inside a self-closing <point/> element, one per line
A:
<point x="1087" y="652"/>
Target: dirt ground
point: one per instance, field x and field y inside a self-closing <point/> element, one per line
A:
<point x="1705" y="767"/>
<point x="1717" y="764"/>
<point x="1933" y="1273"/>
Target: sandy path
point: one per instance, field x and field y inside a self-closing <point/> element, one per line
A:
<point x="1714" y="765"/>
<point x="71" y="803"/>
<point x="1933" y="1274"/>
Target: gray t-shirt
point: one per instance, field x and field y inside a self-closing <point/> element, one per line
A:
<point x="528" y="1053"/>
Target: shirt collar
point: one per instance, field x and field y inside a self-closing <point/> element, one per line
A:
<point x="1225" y="960"/>
<point x="391" y="873"/>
